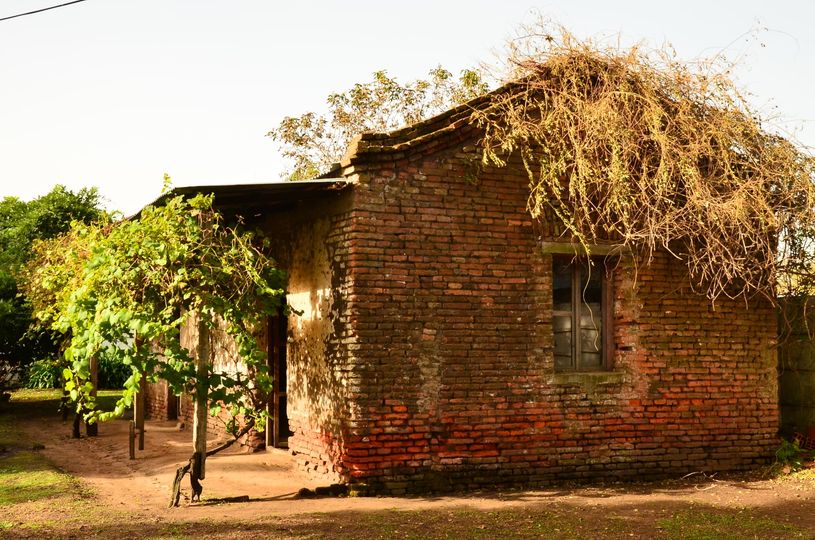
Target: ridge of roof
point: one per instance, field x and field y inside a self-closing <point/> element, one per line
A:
<point x="451" y="120"/>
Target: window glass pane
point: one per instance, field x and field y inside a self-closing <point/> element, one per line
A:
<point x="591" y="361"/>
<point x="561" y="284"/>
<point x="591" y="282"/>
<point x="562" y="326"/>
<point x="591" y="333"/>
<point x="591" y="324"/>
<point x="591" y="348"/>
<point x="591" y="316"/>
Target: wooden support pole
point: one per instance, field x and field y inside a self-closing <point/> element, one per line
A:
<point x="138" y="415"/>
<point x="132" y="439"/>
<point x="201" y="390"/>
<point x="140" y="399"/>
<point x="142" y="407"/>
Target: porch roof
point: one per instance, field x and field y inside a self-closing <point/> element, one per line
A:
<point x="251" y="200"/>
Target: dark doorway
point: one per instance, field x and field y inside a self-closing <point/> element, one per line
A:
<point x="172" y="404"/>
<point x="278" y="435"/>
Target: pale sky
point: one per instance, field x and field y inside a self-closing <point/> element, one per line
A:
<point x="114" y="93"/>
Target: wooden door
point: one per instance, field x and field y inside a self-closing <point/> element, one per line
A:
<point x="278" y="434"/>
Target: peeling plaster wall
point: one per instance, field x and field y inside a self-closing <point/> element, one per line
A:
<point x="225" y="354"/>
<point x="312" y="245"/>
<point x="225" y="360"/>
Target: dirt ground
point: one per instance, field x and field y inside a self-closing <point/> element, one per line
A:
<point x="140" y="488"/>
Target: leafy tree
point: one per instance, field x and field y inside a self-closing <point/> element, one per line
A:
<point x="125" y="290"/>
<point x="313" y="142"/>
<point x="21" y="224"/>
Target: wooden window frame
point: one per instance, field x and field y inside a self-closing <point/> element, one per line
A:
<point x="606" y="303"/>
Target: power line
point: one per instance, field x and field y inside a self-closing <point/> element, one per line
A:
<point x="40" y="10"/>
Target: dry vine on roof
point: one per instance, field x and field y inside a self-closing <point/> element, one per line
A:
<point x="635" y="147"/>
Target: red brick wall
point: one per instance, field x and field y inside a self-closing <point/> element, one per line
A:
<point x="156" y="400"/>
<point x="451" y="361"/>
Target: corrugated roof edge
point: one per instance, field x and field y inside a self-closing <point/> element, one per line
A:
<point x="271" y="188"/>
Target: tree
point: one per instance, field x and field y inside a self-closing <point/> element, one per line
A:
<point x="126" y="289"/>
<point x="637" y="148"/>
<point x="21" y="224"/>
<point x="313" y="142"/>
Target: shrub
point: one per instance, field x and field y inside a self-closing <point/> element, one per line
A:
<point x="45" y="373"/>
<point x="790" y="454"/>
<point x="113" y="373"/>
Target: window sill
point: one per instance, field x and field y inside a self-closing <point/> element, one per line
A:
<point x="575" y="248"/>
<point x="589" y="379"/>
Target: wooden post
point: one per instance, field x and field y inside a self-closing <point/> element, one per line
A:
<point x="77" y="422"/>
<point x="200" y="412"/>
<point x="142" y="407"/>
<point x="92" y="429"/>
<point x="138" y="415"/>
<point x="132" y="439"/>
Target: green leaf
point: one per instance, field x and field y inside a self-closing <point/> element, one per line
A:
<point x="135" y="284"/>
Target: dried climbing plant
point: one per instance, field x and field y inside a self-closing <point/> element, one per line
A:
<point x="635" y="147"/>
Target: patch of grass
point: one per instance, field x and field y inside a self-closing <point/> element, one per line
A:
<point x="513" y="523"/>
<point x="709" y="525"/>
<point x="26" y="476"/>
<point x="7" y="435"/>
<point x="49" y="394"/>
<point x="106" y="399"/>
<point x="176" y="531"/>
<point x="36" y="394"/>
<point x="50" y="397"/>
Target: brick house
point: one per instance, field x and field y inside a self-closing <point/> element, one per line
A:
<point x="446" y="340"/>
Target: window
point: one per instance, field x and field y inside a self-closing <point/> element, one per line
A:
<point x="581" y="314"/>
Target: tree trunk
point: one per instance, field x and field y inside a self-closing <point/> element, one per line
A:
<point x="197" y="464"/>
<point x="75" y="433"/>
<point x="175" y="494"/>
